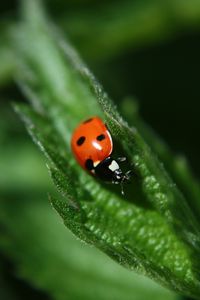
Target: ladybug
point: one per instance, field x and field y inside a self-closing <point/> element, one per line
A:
<point x="92" y="147"/>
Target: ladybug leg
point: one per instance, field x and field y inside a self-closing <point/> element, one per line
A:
<point x="127" y="175"/>
<point x="122" y="187"/>
<point x="121" y="159"/>
<point x="115" y="182"/>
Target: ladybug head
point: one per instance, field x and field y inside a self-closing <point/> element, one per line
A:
<point x="110" y="171"/>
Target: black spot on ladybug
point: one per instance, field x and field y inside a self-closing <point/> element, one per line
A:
<point x="88" y="120"/>
<point x="89" y="164"/>
<point x="80" y="141"/>
<point x="101" y="137"/>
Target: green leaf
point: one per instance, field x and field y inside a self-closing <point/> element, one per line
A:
<point x="152" y="229"/>
<point x="55" y="262"/>
<point x="52" y="260"/>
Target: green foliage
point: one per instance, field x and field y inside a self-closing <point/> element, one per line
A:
<point x="8" y="62"/>
<point x="110" y="29"/>
<point x="55" y="262"/>
<point x="41" y="249"/>
<point x="176" y="165"/>
<point x="152" y="229"/>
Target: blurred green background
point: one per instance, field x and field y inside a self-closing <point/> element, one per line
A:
<point x="143" y="50"/>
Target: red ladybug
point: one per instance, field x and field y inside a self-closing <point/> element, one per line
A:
<point x="92" y="146"/>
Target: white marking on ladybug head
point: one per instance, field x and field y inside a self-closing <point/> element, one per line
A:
<point x="96" y="163"/>
<point x="96" y="145"/>
<point x="113" y="166"/>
